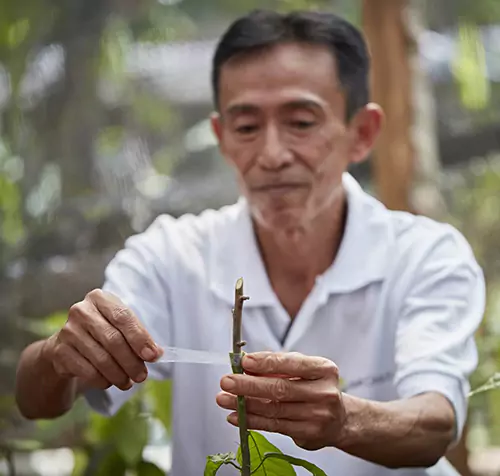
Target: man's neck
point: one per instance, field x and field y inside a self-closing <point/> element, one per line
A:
<point x="294" y="258"/>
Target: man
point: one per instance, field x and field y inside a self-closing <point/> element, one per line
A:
<point x="339" y="286"/>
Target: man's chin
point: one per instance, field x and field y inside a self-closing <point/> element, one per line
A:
<point x="280" y="220"/>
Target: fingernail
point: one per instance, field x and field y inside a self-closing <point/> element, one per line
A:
<point x="228" y="384"/>
<point x="148" y="353"/>
<point x="141" y="377"/>
<point x="224" y="399"/>
<point x="129" y="385"/>
<point x="233" y="418"/>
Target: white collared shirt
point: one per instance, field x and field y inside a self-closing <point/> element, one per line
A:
<point x="396" y="311"/>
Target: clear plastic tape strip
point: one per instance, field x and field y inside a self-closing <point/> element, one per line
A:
<point x="190" y="356"/>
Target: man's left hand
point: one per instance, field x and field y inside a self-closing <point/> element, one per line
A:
<point x="288" y="393"/>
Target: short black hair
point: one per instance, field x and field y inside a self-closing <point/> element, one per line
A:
<point x="263" y="29"/>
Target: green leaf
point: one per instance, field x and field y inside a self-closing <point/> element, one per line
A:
<point x="145" y="468"/>
<point x="113" y="464"/>
<point x="131" y="436"/>
<point x="492" y="384"/>
<point x="127" y="431"/>
<point x="470" y="68"/>
<point x="11" y="226"/>
<point x="81" y="462"/>
<point x="260" y="466"/>
<point x="312" y="468"/>
<point x="18" y="32"/>
<point x="214" y="462"/>
<point x="161" y="394"/>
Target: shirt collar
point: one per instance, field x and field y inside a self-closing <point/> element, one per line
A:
<point x="361" y="259"/>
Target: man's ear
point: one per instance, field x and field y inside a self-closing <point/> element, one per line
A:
<point x="215" y="121"/>
<point x="365" y="126"/>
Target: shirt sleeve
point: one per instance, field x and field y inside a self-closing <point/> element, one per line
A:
<point x="137" y="275"/>
<point x="442" y="309"/>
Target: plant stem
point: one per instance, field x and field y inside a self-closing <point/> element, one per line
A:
<point x="9" y="457"/>
<point x="236" y="356"/>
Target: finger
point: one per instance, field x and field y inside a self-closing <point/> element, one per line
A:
<point x="121" y="317"/>
<point x="270" y="409"/>
<point x="276" y="389"/>
<point x="68" y="362"/>
<point x="292" y="364"/>
<point x="97" y="355"/>
<point x="267" y="375"/>
<point x="113" y="341"/>
<point x="294" y="429"/>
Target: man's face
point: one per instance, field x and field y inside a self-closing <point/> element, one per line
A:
<point x="282" y="125"/>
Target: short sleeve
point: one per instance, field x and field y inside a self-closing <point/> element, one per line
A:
<point x="442" y="309"/>
<point x="138" y="276"/>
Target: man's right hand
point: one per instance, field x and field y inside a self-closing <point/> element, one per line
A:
<point x="102" y="344"/>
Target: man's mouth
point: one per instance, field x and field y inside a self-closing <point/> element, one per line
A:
<point x="278" y="187"/>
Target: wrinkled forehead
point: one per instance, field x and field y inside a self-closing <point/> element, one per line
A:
<point x="286" y="75"/>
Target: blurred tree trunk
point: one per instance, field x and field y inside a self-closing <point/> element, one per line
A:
<point x="394" y="156"/>
<point x="78" y="121"/>
<point x="406" y="168"/>
<point x="426" y="194"/>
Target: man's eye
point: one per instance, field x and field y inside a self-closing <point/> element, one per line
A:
<point x="302" y="124"/>
<point x="246" y="129"/>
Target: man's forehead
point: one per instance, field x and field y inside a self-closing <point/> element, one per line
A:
<point x="289" y="75"/>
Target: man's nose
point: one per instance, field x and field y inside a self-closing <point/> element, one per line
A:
<point x="274" y="153"/>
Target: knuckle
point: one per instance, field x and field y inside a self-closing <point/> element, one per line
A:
<point x="297" y="361"/>
<point x="59" y="356"/>
<point x="64" y="335"/>
<point x="274" y="409"/>
<point x="330" y="369"/>
<point x="334" y="395"/>
<point x="281" y="389"/>
<point x="331" y="395"/>
<point x="76" y="310"/>
<point x="274" y="425"/>
<point x="94" y="294"/>
<point x="120" y="313"/>
<point x="272" y="361"/>
<point x="69" y="331"/>
<point x="319" y="413"/>
<point x="113" y="337"/>
<point x="102" y="359"/>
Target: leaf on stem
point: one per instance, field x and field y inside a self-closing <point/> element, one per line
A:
<point x="492" y="384"/>
<point x="312" y="468"/>
<point x="214" y="462"/>
<point x="260" y="466"/>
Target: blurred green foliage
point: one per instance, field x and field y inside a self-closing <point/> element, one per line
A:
<point x="474" y="201"/>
